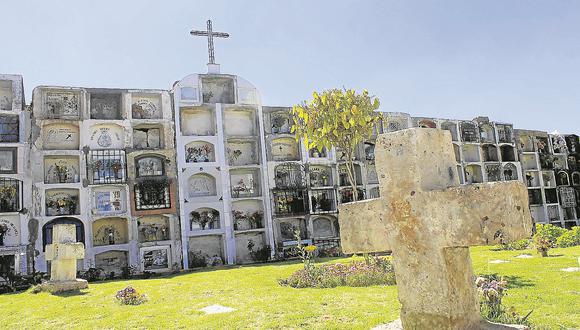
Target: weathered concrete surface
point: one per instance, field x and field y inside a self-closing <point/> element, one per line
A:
<point x="63" y="254"/>
<point x="429" y="221"/>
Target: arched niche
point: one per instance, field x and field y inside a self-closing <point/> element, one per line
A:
<point x="110" y="231"/>
<point x="324" y="226"/>
<point x="61" y="169"/>
<point x="451" y="127"/>
<point x="106" y="136"/>
<point x="469" y="132"/>
<point x="289" y="176"/>
<point x="153" y="228"/>
<point x="62" y="202"/>
<point x="204" y="218"/>
<point x="489" y="152"/>
<point x="510" y="172"/>
<point x="576" y="178"/>
<point x="199" y="152"/>
<point x="288" y="227"/>
<point x="487" y="133"/>
<point x="562" y="178"/>
<point x="201" y="184"/>
<point x="473" y="174"/>
<point x="112" y="262"/>
<point x="47" y="229"/>
<point x="9" y="230"/>
<point x="320" y="176"/>
<point x="60" y="136"/>
<point x="508" y="153"/>
<point x="150" y="165"/>
<point x="284" y="148"/>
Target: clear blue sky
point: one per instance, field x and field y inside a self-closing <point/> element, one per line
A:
<point x="516" y="61"/>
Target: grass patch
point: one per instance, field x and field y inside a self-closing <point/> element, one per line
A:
<point x="260" y="302"/>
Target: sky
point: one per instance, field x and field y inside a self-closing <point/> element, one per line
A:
<point x="514" y="61"/>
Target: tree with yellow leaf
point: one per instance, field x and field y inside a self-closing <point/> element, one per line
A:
<point x="340" y="118"/>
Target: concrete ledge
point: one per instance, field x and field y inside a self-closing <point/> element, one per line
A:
<point x="65" y="286"/>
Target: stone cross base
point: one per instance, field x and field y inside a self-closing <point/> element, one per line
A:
<point x="64" y="286"/>
<point x="484" y="325"/>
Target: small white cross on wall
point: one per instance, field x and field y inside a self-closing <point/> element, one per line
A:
<point x="210" y="35"/>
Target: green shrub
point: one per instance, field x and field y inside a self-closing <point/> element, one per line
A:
<point x="521" y="244"/>
<point x="569" y="238"/>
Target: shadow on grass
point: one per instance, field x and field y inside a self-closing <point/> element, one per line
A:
<point x="70" y="294"/>
<point x="513" y="281"/>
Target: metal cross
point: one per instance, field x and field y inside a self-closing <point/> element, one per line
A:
<point x="209" y="34"/>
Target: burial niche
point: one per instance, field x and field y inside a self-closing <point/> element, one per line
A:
<point x="153" y="228"/>
<point x="245" y="183"/>
<point x="562" y="178"/>
<point x="504" y="133"/>
<point x="110" y="231"/>
<point x="285" y="149"/>
<point x="246" y="243"/>
<point x="471" y="153"/>
<point x="288" y="227"/>
<point x="315" y="153"/>
<point x="201" y="185"/>
<point x="242" y="152"/>
<point x="112" y="262"/>
<point x="61" y="169"/>
<point x="5" y="95"/>
<point x="62" y="202"/>
<point x="47" y="229"/>
<point x="10" y="195"/>
<point x="198" y="121"/>
<point x="289" y="202"/>
<point x="248" y="214"/>
<point x="9" y="230"/>
<point x="150" y="165"/>
<point x="109" y="200"/>
<point x="107" y="136"/>
<point x="323" y="201"/>
<point x="204" y="218"/>
<point x="469" y="132"/>
<point x="61" y="104"/>
<point x="9" y="128"/>
<point x="189" y="94"/>
<point x="508" y="153"/>
<point x="289" y="176"/>
<point x="323" y="226"/>
<point x="493" y="172"/>
<point x="320" y="176"/>
<point x="106" y="166"/>
<point x="487" y="133"/>
<point x="343" y="175"/>
<point x="60" y="136"/>
<point x="145" y="106"/>
<point x="473" y="174"/>
<point x="280" y="122"/>
<point x="156" y="259"/>
<point x="217" y="89"/>
<point x="510" y="172"/>
<point x="489" y="153"/>
<point x="147" y="137"/>
<point x="106" y="106"/>
<point x="204" y="251"/>
<point x="451" y="127"/>
<point x="8" y="160"/>
<point x="240" y="122"/>
<point x="199" y="152"/>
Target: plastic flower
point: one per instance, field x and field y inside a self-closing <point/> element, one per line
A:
<point x="310" y="248"/>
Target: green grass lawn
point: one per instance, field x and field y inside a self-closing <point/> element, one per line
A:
<point x="260" y="302"/>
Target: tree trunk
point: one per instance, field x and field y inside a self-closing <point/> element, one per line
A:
<point x="351" y="176"/>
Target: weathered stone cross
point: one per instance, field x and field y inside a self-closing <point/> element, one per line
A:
<point x="209" y="34"/>
<point x="63" y="254"/>
<point x="428" y="221"/>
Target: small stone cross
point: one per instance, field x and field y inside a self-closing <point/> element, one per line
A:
<point x="63" y="253"/>
<point x="429" y="221"/>
<point x="209" y="34"/>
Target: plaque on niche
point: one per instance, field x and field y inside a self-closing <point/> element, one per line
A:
<point x="105" y="106"/>
<point x="62" y="104"/>
<point x="61" y="136"/>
